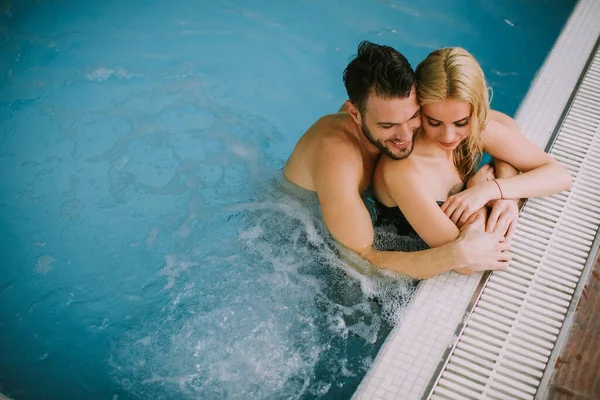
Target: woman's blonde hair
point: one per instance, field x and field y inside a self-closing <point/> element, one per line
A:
<point x="453" y="73"/>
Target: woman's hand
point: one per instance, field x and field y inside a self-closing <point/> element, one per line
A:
<point x="503" y="217"/>
<point x="476" y="221"/>
<point x="461" y="206"/>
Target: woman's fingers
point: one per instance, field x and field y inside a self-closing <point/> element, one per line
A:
<point x="466" y="214"/>
<point x="445" y="206"/>
<point x="511" y="230"/>
<point x="492" y="220"/>
<point x="503" y="217"/>
<point x="502" y="224"/>
<point x="456" y="215"/>
<point x="449" y="207"/>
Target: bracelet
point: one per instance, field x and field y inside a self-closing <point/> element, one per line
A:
<point x="499" y="188"/>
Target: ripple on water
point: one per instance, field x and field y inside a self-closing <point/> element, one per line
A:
<point x="70" y="209"/>
<point x="43" y="264"/>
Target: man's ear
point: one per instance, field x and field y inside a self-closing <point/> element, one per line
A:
<point x="354" y="113"/>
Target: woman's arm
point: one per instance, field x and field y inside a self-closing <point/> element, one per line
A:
<point x="542" y="175"/>
<point x="418" y="206"/>
<point x="504" y="213"/>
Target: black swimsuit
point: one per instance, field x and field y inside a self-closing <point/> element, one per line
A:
<point x="387" y="216"/>
<point x="392" y="230"/>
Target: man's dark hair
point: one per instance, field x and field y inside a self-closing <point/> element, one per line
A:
<point x="378" y="69"/>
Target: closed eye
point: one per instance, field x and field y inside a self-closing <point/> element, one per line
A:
<point x="433" y="124"/>
<point x="462" y="124"/>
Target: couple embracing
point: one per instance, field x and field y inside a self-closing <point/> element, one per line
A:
<point x="418" y="141"/>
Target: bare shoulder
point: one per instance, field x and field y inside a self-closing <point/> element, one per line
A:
<point x="500" y="117"/>
<point x="387" y="167"/>
<point x="334" y="136"/>
<point x="497" y="131"/>
<point x="327" y="146"/>
<point x="387" y="175"/>
<point x="337" y="147"/>
<point x="499" y="122"/>
<point x="493" y="126"/>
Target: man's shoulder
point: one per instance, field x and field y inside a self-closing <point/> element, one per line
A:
<point x="335" y="134"/>
<point x="327" y="148"/>
<point x="338" y="153"/>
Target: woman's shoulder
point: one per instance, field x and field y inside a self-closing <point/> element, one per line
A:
<point x="389" y="165"/>
<point x="494" y="132"/>
<point x="501" y="118"/>
<point x="389" y="171"/>
<point x="498" y="122"/>
<point x="492" y="126"/>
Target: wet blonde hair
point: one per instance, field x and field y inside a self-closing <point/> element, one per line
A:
<point x="453" y="73"/>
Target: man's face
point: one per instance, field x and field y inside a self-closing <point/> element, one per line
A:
<point x="390" y="124"/>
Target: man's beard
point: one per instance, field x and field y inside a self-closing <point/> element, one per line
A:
<point x="403" y="153"/>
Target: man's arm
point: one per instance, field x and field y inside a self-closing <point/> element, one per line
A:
<point x="473" y="251"/>
<point x="337" y="174"/>
<point x="505" y="212"/>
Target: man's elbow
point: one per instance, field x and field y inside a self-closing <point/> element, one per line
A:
<point x="366" y="252"/>
<point x="565" y="177"/>
<point x="373" y="257"/>
<point x="369" y="254"/>
<point x="568" y="180"/>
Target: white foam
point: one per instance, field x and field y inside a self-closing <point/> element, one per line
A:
<point x="173" y="268"/>
<point x="256" y="323"/>
<point x="101" y="74"/>
<point x="43" y="264"/>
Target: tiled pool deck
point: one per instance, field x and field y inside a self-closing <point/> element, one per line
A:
<point x="577" y="370"/>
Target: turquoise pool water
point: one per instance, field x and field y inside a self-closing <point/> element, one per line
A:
<point x="147" y="248"/>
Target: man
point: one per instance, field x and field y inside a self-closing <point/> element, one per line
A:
<point x="336" y="158"/>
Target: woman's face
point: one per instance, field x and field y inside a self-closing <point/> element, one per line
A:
<point x="447" y="122"/>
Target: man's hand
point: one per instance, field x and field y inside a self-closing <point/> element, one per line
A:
<point x="480" y="251"/>
<point x="503" y="218"/>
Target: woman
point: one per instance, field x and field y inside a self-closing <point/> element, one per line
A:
<point x="455" y="129"/>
